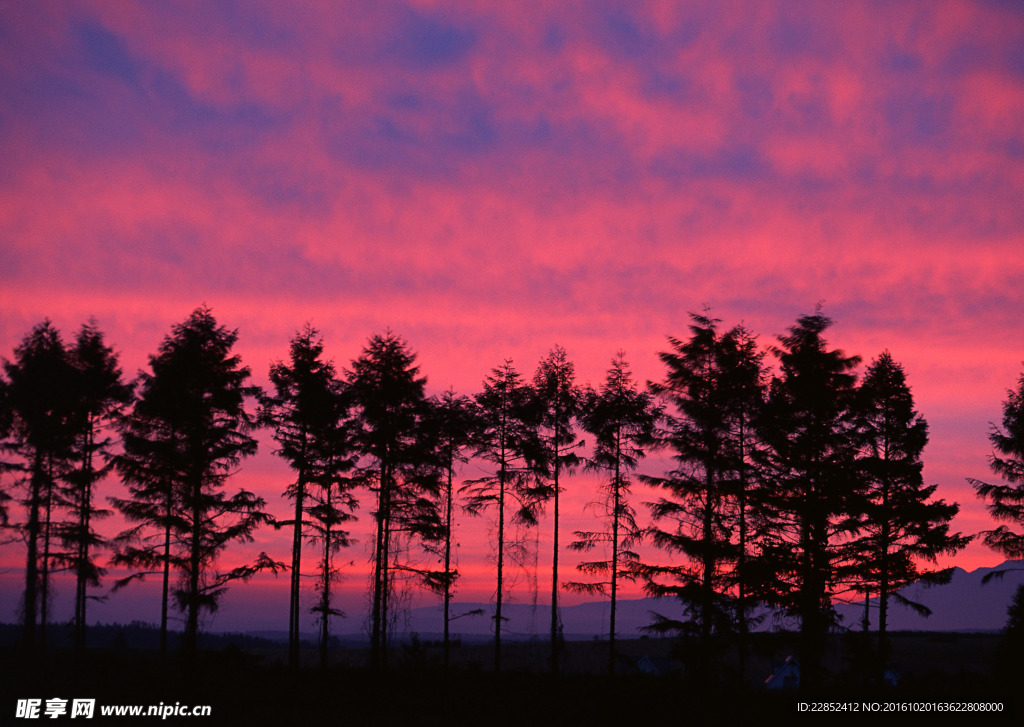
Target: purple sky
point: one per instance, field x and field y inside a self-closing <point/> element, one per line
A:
<point x="489" y="179"/>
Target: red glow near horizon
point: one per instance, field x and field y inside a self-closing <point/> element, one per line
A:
<point x="489" y="180"/>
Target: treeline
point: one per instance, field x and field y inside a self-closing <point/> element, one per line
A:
<point x="793" y="484"/>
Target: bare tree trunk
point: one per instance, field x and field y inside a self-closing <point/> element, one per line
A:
<point x="448" y="564"/>
<point x="294" y="600"/>
<point x="555" y="645"/>
<point x="501" y="562"/>
<point x="386" y="579"/>
<point x="708" y="571"/>
<point x="190" y="637"/>
<point x="82" y="544"/>
<point x="883" y="590"/>
<point x="32" y="560"/>
<point x="44" y="574"/>
<point x="325" y="603"/>
<point x="165" y="590"/>
<point x="615" y="561"/>
<point x="379" y="572"/>
<point x="741" y="566"/>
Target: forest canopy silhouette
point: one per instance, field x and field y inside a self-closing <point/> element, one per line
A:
<point x="796" y="479"/>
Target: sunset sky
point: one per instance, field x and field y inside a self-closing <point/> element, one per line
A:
<point x="490" y="179"/>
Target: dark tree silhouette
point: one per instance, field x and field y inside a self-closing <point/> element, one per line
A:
<point x="397" y="465"/>
<point x="39" y="400"/>
<point x="6" y="421"/>
<point x="715" y="383"/>
<point x="150" y="467"/>
<point x="816" y="499"/>
<point x="1006" y="500"/>
<point x="1008" y="666"/>
<point x="508" y="441"/>
<point x="187" y="433"/>
<point x="623" y="421"/>
<point x="453" y="425"/>
<point x="558" y="401"/>
<point x="100" y="395"/>
<point x="306" y="412"/>
<point x="745" y="387"/>
<point x="331" y="503"/>
<point x="903" y="525"/>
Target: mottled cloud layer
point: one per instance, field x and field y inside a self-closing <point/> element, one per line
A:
<point x="489" y="179"/>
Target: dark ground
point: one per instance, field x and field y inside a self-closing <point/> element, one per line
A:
<point x="248" y="685"/>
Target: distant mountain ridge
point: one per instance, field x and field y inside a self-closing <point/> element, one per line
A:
<point x="963" y="604"/>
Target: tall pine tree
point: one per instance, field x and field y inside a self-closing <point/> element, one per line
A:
<point x="714" y="381"/>
<point x="508" y="442"/>
<point x="558" y="401"/>
<point x="1005" y="500"/>
<point x="40" y="403"/>
<point x="6" y="421"/>
<point x="816" y="500"/>
<point x="903" y="524"/>
<point x="623" y="420"/>
<point x="100" y="396"/>
<point x="306" y="411"/>
<point x="187" y="433"/>
<point x="396" y="465"/>
<point x="453" y="425"/>
<point x="744" y="383"/>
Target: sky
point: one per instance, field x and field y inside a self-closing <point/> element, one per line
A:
<point x="488" y="180"/>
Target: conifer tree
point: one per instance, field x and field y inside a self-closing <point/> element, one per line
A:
<point x="330" y="505"/>
<point x="1005" y="500"/>
<point x="150" y="468"/>
<point x="6" y="421"/>
<point x="714" y="381"/>
<point x="306" y="411"/>
<point x="453" y="423"/>
<point x="816" y="499"/>
<point x="1008" y="666"/>
<point x="903" y="525"/>
<point x="508" y="441"/>
<point x="39" y="400"/>
<point x="558" y="400"/>
<point x="623" y="421"/>
<point x="745" y="386"/>
<point x="99" y="397"/>
<point x="397" y="465"/>
<point x="184" y="438"/>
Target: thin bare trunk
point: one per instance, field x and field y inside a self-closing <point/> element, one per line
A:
<point x="448" y="562"/>
<point x="32" y="561"/>
<point x="195" y="555"/>
<point x="379" y="571"/>
<point x="615" y="555"/>
<point x="165" y="590"/>
<point x="82" y="543"/>
<point x="325" y="603"/>
<point x="555" y="655"/>
<point x="44" y="574"/>
<point x="294" y="600"/>
<point x="501" y="561"/>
